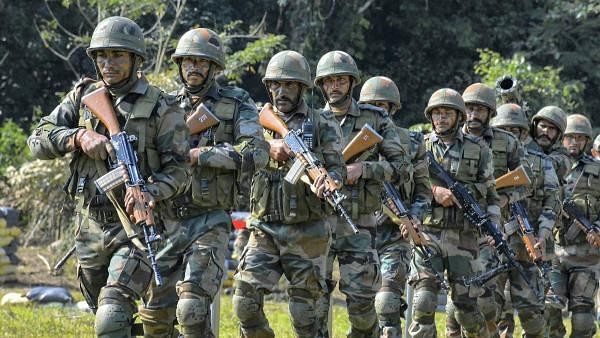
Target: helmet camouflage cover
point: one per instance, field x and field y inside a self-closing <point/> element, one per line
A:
<point x="203" y="43"/>
<point x="336" y="63"/>
<point x="380" y="88"/>
<point x="510" y="115"/>
<point x="117" y="32"/>
<point x="579" y="124"/>
<point x="446" y="97"/>
<point x="288" y="65"/>
<point x="553" y="114"/>
<point x="481" y="94"/>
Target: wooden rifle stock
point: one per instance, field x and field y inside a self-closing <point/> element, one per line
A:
<point x="99" y="103"/>
<point x="201" y="119"/>
<point x="514" y="178"/>
<point x="269" y="119"/>
<point x="365" y="139"/>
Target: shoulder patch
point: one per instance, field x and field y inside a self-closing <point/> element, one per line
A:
<point x="371" y="107"/>
<point x="234" y="92"/>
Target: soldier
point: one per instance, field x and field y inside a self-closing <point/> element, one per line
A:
<point x="507" y="154"/>
<point x="218" y="155"/>
<point x="547" y="128"/>
<point x="289" y="234"/>
<point x="360" y="278"/>
<point x="454" y="241"/>
<point x="542" y="205"/>
<point x="395" y="251"/>
<point x="596" y="148"/>
<point x="573" y="276"/>
<point x="112" y="272"/>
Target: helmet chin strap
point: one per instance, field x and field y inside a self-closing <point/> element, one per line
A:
<point x="124" y="86"/>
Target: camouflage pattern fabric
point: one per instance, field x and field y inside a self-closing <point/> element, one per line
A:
<point x="112" y="272"/>
<point x="395" y="251"/>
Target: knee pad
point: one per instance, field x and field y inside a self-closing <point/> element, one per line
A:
<point x="157" y="322"/>
<point x="113" y="320"/>
<point x="424" y="304"/>
<point x="583" y="323"/>
<point x="192" y="312"/>
<point x="532" y="322"/>
<point x="388" y="304"/>
<point x="247" y="303"/>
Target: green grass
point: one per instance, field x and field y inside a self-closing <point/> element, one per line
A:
<point x="37" y="321"/>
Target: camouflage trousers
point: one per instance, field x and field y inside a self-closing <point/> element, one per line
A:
<point x="574" y="284"/>
<point x="296" y="251"/>
<point x="360" y="277"/>
<point x="112" y="274"/>
<point x="192" y="271"/>
<point x="394" y="259"/>
<point x="455" y="252"/>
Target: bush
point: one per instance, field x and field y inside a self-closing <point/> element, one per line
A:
<point x="13" y="146"/>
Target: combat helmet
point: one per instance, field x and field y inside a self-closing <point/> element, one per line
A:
<point x="510" y="115"/>
<point x="117" y="32"/>
<point x="553" y="114"/>
<point x="579" y="124"/>
<point x="380" y="88"/>
<point x="446" y="97"/>
<point x="336" y="63"/>
<point x="481" y="94"/>
<point x="288" y="65"/>
<point x="203" y="43"/>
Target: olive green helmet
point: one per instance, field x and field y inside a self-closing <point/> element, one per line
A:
<point x="288" y="65"/>
<point x="117" y="32"/>
<point x="446" y="97"/>
<point x="336" y="63"/>
<point x="481" y="94"/>
<point x="380" y="88"/>
<point x="510" y="115"/>
<point x="553" y="114"/>
<point x="579" y="124"/>
<point x="200" y="42"/>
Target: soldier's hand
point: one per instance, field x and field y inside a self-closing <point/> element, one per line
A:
<point x="195" y="154"/>
<point x="137" y="202"/>
<point x="543" y="236"/>
<point x="354" y="173"/>
<point x="444" y="197"/>
<point x="321" y="185"/>
<point x="490" y="241"/>
<point x="503" y="201"/>
<point x="279" y="151"/>
<point x="593" y="238"/>
<point x="92" y="144"/>
<point x="404" y="230"/>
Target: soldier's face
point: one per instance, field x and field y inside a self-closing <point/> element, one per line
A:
<point x="575" y="143"/>
<point x="545" y="133"/>
<point x="114" y="65"/>
<point x="443" y="119"/>
<point x="194" y="70"/>
<point x="382" y="104"/>
<point x="477" y="115"/>
<point x="336" y="87"/>
<point x="285" y="94"/>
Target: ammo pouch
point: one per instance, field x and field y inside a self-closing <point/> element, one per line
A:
<point x="273" y="199"/>
<point x="213" y="188"/>
<point x="362" y="198"/>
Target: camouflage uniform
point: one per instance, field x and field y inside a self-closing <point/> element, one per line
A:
<point x="507" y="154"/>
<point x="574" y="273"/>
<point x="454" y="241"/>
<point x="194" y="268"/>
<point x="112" y="272"/>
<point x="394" y="251"/>
<point x="289" y="234"/>
<point x="542" y="204"/>
<point x="360" y="277"/>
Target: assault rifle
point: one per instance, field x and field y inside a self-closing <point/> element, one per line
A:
<point x="393" y="202"/>
<point x="305" y="161"/>
<point x="100" y="105"/>
<point x="366" y="138"/>
<point x="201" y="120"/>
<point x="581" y="221"/>
<point x="479" y="218"/>
<point x="514" y="178"/>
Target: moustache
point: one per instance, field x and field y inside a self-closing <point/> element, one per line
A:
<point x="283" y="98"/>
<point x="544" y="136"/>
<point x="190" y="73"/>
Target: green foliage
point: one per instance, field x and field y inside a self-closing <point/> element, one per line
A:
<point x="167" y="79"/>
<point x="540" y="86"/>
<point x="13" y="146"/>
<point x="256" y="51"/>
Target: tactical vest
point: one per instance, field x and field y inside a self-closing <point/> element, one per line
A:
<point x="407" y="187"/>
<point x="583" y="187"/>
<point x="214" y="188"/>
<point x="464" y="167"/>
<point x="535" y="194"/>
<point x="499" y="145"/>
<point x="272" y="199"/>
<point x="140" y="123"/>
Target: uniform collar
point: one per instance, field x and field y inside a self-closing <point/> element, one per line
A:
<point x="212" y="93"/>
<point x="353" y="110"/>
<point x="459" y="136"/>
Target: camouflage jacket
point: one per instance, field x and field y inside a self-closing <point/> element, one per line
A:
<point x="560" y="157"/>
<point x="583" y="188"/>
<point x="235" y="149"/>
<point x="272" y="199"/>
<point x="387" y="161"/>
<point x="144" y="112"/>
<point x="469" y="161"/>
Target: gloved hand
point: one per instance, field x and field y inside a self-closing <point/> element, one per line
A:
<point x="94" y="145"/>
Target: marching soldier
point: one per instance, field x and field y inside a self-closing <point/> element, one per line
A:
<point x="574" y="274"/>
<point x="112" y="272"/>
<point x="233" y="147"/>
<point x="454" y="241"/>
<point x="289" y="232"/>
<point x="542" y="205"/>
<point x="395" y="251"/>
